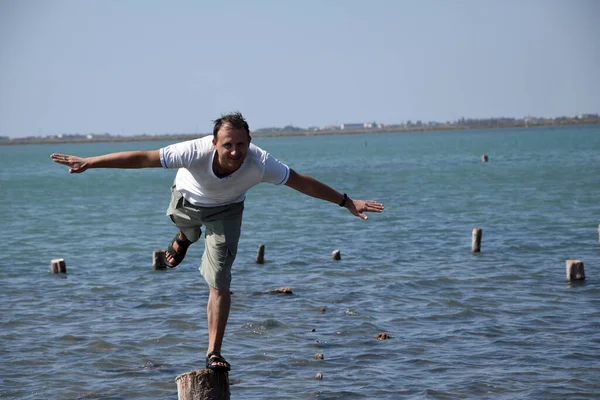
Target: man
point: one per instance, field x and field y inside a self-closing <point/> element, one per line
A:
<point x="210" y="187"/>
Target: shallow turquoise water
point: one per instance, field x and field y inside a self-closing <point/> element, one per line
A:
<point x="503" y="324"/>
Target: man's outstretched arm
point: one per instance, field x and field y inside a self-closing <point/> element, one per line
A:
<point x="126" y="159"/>
<point x="312" y="187"/>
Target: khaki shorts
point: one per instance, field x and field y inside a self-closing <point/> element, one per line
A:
<point x="222" y="226"/>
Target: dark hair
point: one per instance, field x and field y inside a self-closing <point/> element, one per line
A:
<point x="235" y="120"/>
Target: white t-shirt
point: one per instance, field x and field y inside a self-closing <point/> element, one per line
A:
<point x="200" y="186"/>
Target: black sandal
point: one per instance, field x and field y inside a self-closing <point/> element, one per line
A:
<point x="212" y="359"/>
<point x="177" y="257"/>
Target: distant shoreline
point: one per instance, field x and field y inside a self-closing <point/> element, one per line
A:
<point x="181" y="137"/>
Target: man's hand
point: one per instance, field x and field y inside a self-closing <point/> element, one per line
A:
<point x="312" y="187"/>
<point x="123" y="159"/>
<point x="76" y="164"/>
<point x="358" y="207"/>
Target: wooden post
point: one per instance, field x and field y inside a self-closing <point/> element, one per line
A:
<point x="282" y="290"/>
<point x="575" y="270"/>
<point x="260" y="254"/>
<point x="159" y="260"/>
<point x="476" y="242"/>
<point x="484" y="158"/>
<point x="58" y="266"/>
<point x="203" y="384"/>
<point x="336" y="255"/>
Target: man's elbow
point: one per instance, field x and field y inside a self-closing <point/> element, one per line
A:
<point x="151" y="159"/>
<point x="294" y="180"/>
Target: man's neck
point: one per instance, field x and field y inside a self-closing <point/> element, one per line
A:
<point x="217" y="170"/>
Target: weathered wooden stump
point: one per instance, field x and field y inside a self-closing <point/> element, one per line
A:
<point x="203" y="384"/>
<point x="260" y="254"/>
<point x="476" y="242"/>
<point x="484" y="158"/>
<point x="58" y="266"/>
<point x="336" y="255"/>
<point x="575" y="270"/>
<point x="282" y="290"/>
<point x="159" y="260"/>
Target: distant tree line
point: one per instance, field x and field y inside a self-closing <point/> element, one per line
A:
<point x="462" y="123"/>
<point x="285" y="129"/>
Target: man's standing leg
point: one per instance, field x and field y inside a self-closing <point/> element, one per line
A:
<point x="217" y="311"/>
<point x="222" y="233"/>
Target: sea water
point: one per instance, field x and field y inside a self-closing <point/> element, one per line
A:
<point x="501" y="324"/>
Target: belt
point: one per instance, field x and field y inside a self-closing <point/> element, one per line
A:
<point x="186" y="203"/>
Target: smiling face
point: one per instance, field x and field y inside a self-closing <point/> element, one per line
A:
<point x="231" y="145"/>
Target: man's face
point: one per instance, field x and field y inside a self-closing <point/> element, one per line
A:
<point x="231" y="146"/>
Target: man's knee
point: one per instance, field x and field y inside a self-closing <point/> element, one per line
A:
<point x="219" y="293"/>
<point x="192" y="234"/>
<point x="218" y="282"/>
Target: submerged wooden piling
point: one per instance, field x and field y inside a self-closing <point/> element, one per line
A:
<point x="159" y="260"/>
<point x="58" y="266"/>
<point x="336" y="255"/>
<point x="281" y="290"/>
<point x="476" y="242"/>
<point x="203" y="384"/>
<point x="260" y="254"/>
<point x="575" y="270"/>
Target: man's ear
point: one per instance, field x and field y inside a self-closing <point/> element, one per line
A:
<point x="249" y="138"/>
<point x="214" y="142"/>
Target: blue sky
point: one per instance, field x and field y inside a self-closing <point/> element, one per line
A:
<point x="133" y="66"/>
